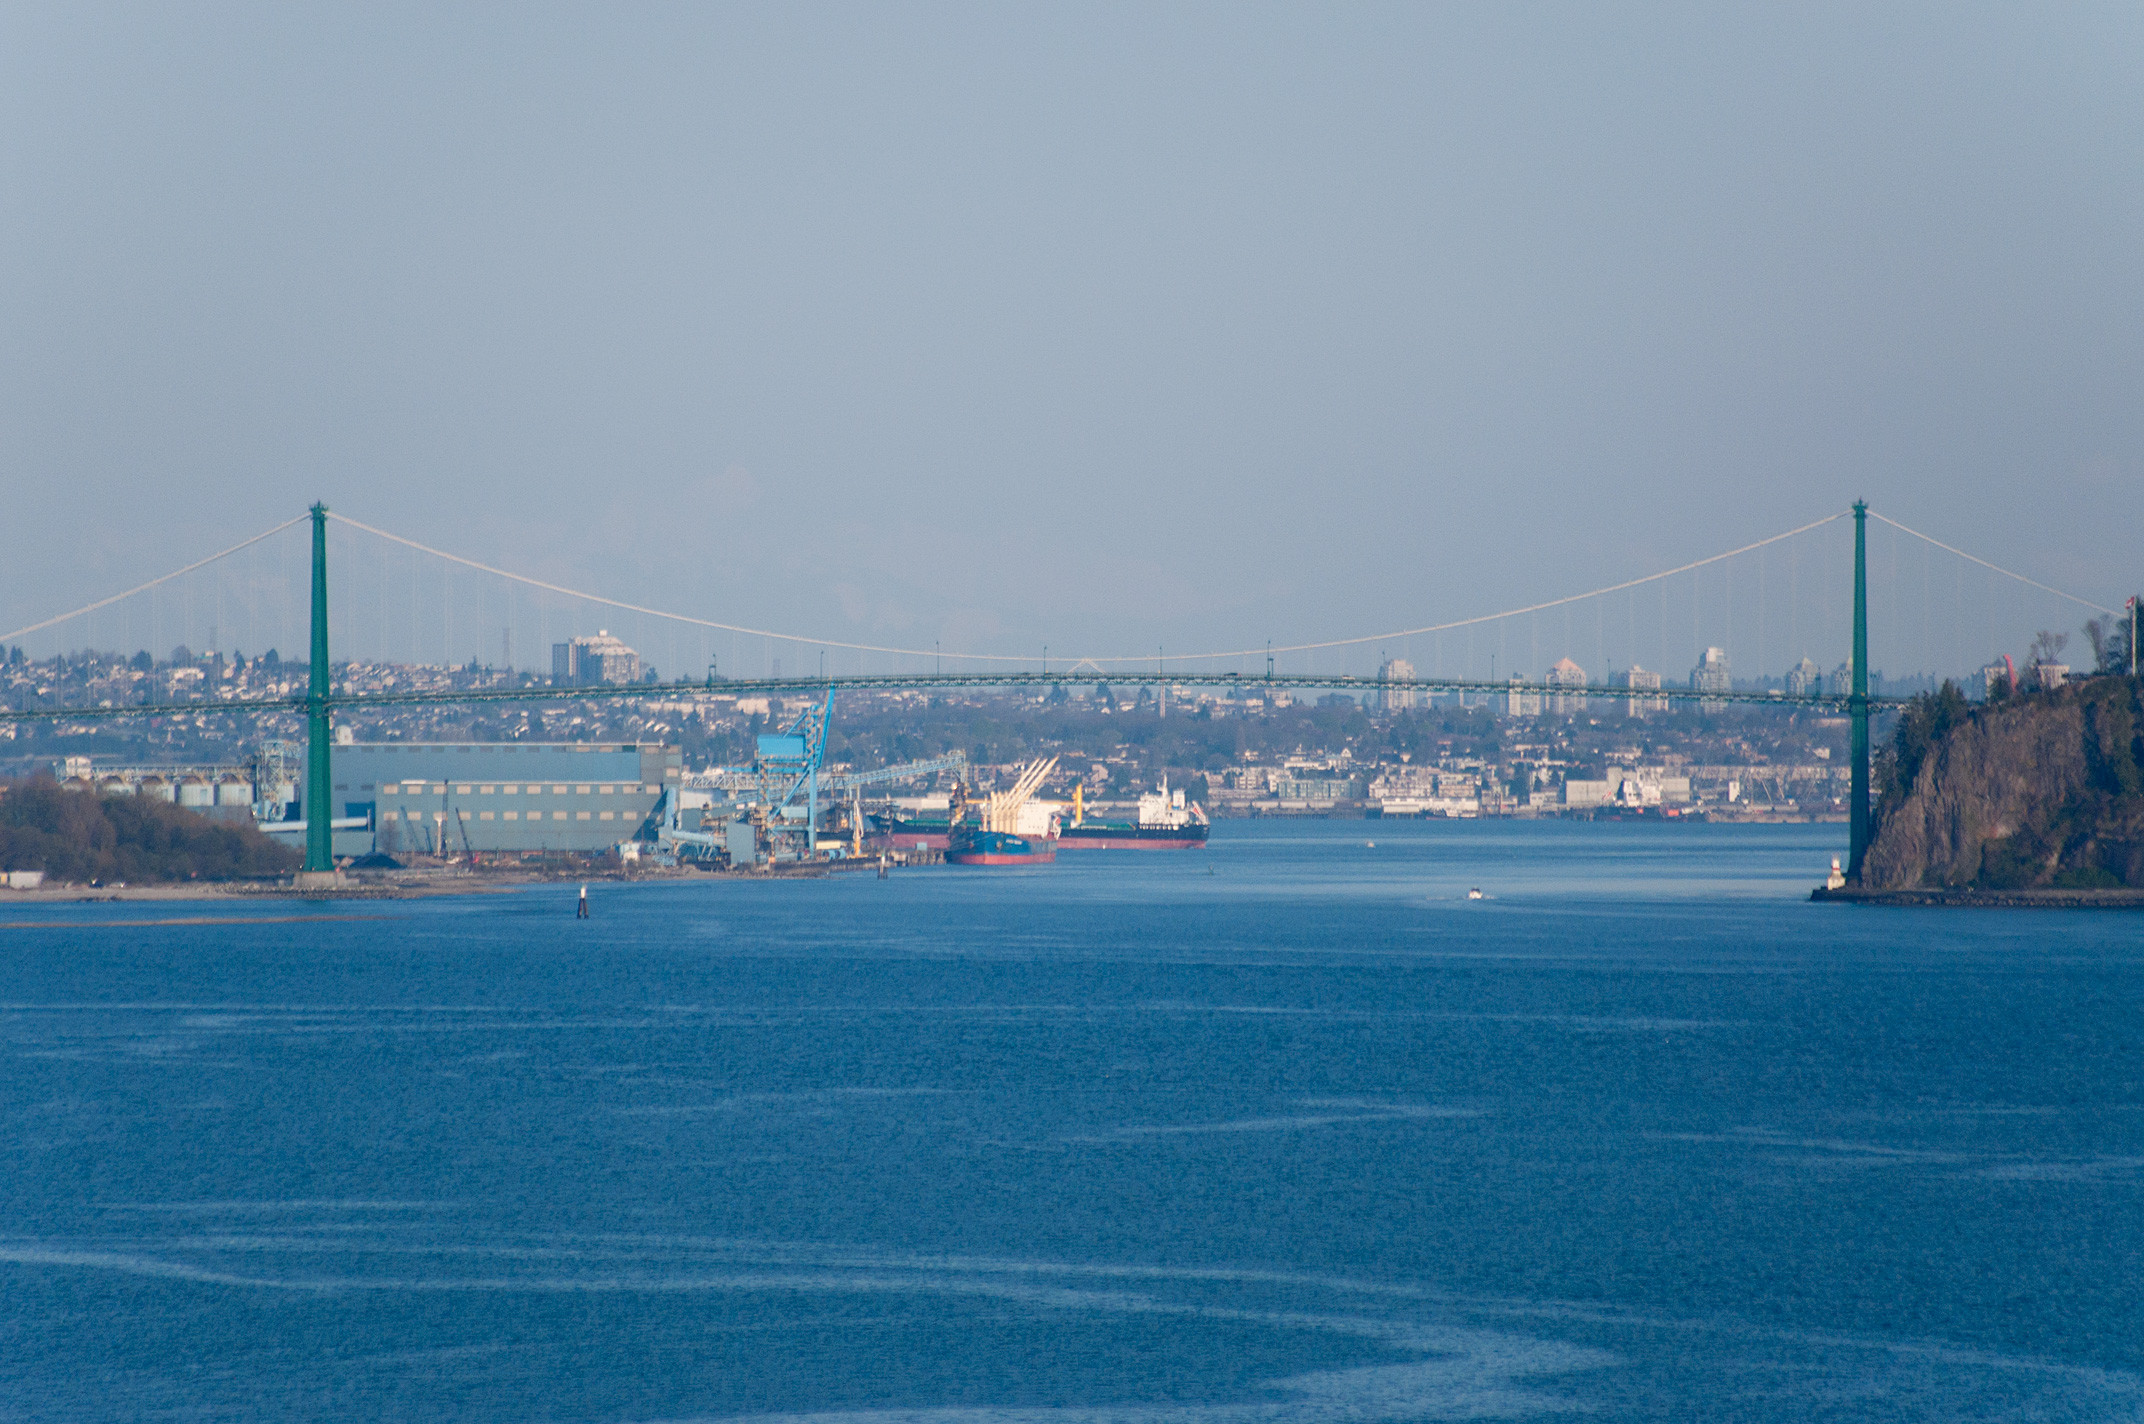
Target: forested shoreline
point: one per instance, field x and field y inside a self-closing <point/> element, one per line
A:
<point x="81" y="837"/>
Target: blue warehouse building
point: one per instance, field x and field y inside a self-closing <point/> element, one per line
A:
<point x="452" y="797"/>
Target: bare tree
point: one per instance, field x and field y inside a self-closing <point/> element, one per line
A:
<point x="2098" y="632"/>
<point x="2047" y="647"/>
<point x="2109" y="635"/>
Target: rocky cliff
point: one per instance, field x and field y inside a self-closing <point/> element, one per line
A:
<point x="2041" y="790"/>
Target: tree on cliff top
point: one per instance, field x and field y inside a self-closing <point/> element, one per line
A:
<point x="1922" y="726"/>
<point x="2109" y="636"/>
<point x="80" y="836"/>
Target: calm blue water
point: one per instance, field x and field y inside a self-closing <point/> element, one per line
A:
<point x="1288" y="1132"/>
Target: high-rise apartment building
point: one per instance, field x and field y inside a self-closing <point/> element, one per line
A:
<point x="1395" y="699"/>
<point x="593" y="662"/>
<point x="1712" y="675"/>
<point x="1566" y="674"/>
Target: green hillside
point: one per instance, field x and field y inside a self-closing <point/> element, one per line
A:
<point x="79" y="837"/>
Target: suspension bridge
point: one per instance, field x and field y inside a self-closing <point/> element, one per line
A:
<point x="1252" y="667"/>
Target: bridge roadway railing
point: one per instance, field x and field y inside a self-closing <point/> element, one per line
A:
<point x="921" y="682"/>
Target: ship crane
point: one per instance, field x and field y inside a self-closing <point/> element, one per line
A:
<point x="788" y="765"/>
<point x="1005" y="836"/>
<point x="784" y="768"/>
<point x="787" y="769"/>
<point x="1001" y="809"/>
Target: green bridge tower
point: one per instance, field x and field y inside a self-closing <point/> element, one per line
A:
<point x="319" y="790"/>
<point x="1857" y="703"/>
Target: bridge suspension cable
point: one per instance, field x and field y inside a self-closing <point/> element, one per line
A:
<point x="1095" y="661"/>
<point x="1512" y="612"/>
<point x="152" y="583"/>
<point x="1996" y="568"/>
<point x="659" y="612"/>
<point x="1098" y="664"/>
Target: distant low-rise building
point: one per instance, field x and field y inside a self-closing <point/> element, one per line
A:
<point x="1583" y="792"/>
<point x="1497" y="799"/>
<point x="1424" y="791"/>
<point x="1306" y="787"/>
<point x="1639" y="682"/>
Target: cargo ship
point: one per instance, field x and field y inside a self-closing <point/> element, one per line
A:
<point x="891" y="830"/>
<point x="1012" y="827"/>
<point x="1165" y="823"/>
<point x="969" y="846"/>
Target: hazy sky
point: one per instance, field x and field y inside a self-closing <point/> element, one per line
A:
<point x="1094" y="326"/>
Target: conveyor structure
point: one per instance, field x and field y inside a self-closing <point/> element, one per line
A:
<point x="786" y="770"/>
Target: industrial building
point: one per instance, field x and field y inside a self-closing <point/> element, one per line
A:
<point x="260" y="789"/>
<point x="455" y="797"/>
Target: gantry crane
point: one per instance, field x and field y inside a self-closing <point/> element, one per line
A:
<point x="786" y="768"/>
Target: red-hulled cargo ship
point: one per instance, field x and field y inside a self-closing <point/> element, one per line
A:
<point x="897" y="832"/>
<point x="1165" y="823"/>
<point x="1015" y="828"/>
